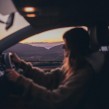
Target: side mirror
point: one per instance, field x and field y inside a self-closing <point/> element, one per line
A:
<point x="10" y="21"/>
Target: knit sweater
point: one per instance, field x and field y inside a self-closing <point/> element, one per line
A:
<point x="53" y="89"/>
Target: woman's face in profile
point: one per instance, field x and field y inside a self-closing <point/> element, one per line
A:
<point x="73" y="52"/>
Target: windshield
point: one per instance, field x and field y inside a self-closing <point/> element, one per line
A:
<point x="50" y="36"/>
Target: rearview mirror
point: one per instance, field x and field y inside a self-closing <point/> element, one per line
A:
<point x="10" y="21"/>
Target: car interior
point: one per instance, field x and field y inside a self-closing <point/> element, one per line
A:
<point x="44" y="15"/>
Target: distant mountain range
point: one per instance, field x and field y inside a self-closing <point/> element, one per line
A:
<point x="47" y="45"/>
<point x="34" y="53"/>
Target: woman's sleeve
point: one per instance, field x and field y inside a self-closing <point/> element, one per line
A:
<point x="39" y="75"/>
<point x="75" y="86"/>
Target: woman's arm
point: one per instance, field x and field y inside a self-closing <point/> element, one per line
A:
<point x="75" y="87"/>
<point x="36" y="74"/>
<point x="39" y="75"/>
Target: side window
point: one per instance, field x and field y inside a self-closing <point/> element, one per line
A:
<point x="43" y="50"/>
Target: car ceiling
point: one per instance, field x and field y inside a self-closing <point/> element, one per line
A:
<point x="65" y="12"/>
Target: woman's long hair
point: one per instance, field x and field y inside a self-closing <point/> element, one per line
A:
<point x="76" y="47"/>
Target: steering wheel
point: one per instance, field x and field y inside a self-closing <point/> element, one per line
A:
<point x="8" y="61"/>
<point x="5" y="63"/>
<point x="10" y="64"/>
<point x="6" y="86"/>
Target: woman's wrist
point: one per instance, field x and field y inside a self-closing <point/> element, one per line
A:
<point x="12" y="75"/>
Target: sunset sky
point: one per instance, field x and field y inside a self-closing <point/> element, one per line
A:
<point x="19" y="22"/>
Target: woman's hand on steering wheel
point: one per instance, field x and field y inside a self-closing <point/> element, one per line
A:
<point x="15" y="58"/>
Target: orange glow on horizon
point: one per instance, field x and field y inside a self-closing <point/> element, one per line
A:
<point x="45" y="41"/>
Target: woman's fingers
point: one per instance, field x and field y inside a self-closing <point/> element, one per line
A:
<point x="15" y="58"/>
<point x="12" y="74"/>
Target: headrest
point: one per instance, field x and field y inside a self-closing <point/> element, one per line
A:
<point x="102" y="34"/>
<point x="96" y="60"/>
